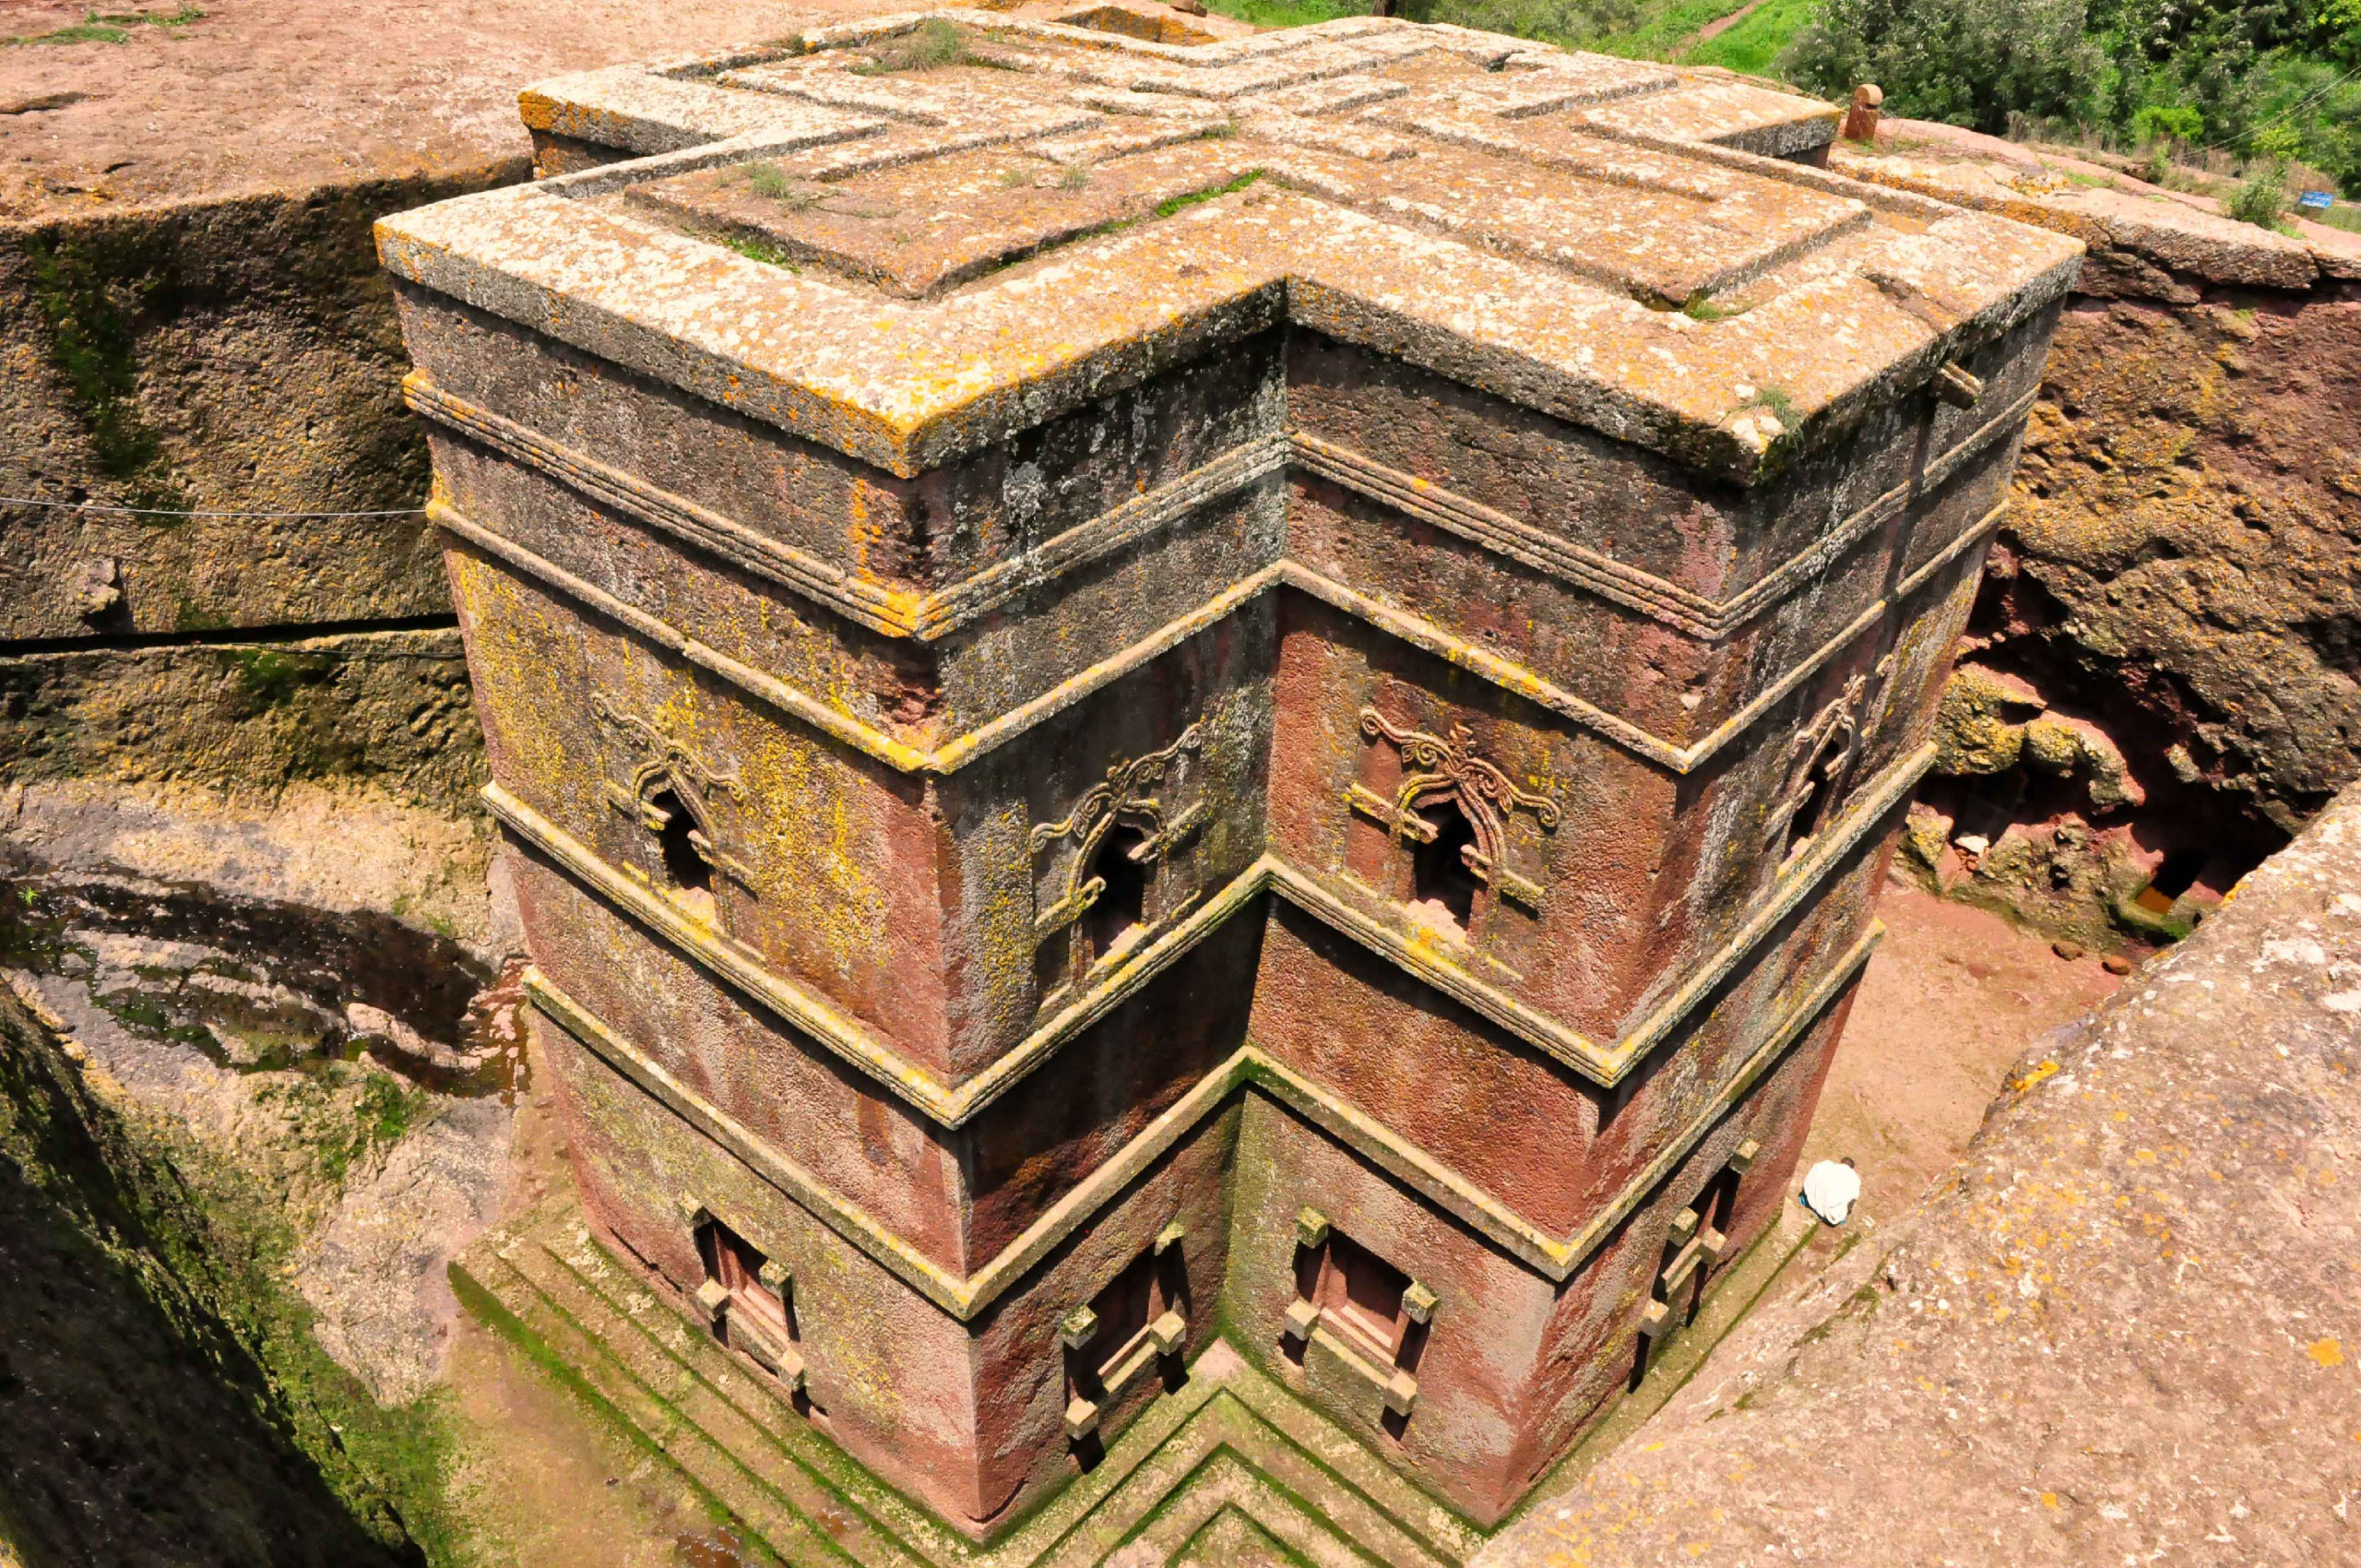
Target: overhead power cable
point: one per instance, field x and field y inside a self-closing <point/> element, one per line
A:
<point x="167" y="512"/>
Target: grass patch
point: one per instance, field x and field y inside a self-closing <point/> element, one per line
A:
<point x="769" y="181"/>
<point x="1705" y="307"/>
<point x="1286" y="13"/>
<point x="1171" y="205"/>
<point x="97" y="27"/>
<point x="1662" y="33"/>
<point x="387" y="1110"/>
<point x="762" y="251"/>
<point x="1075" y="177"/>
<point x="1754" y="43"/>
<point x="929" y="46"/>
<point x="1781" y="407"/>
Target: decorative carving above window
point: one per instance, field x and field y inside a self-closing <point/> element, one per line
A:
<point x="669" y="792"/>
<point x="1470" y="840"/>
<point x="1818" y="760"/>
<point x="1123" y="835"/>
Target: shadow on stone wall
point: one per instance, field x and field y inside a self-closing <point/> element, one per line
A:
<point x="158" y="1403"/>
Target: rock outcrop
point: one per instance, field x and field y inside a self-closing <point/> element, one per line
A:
<point x="2128" y="1329"/>
<point x="2158" y="683"/>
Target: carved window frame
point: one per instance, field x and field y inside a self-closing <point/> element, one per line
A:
<point x="1448" y="770"/>
<point x="1696" y="1243"/>
<point x="1823" y="751"/>
<point x="1316" y="1320"/>
<point x="751" y="1313"/>
<point x="1063" y="956"/>
<point x="663" y="765"/>
<point x="1097" y="1375"/>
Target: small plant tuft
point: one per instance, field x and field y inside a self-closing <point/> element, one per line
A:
<point x="1075" y="177"/>
<point x="1705" y="307"/>
<point x="2262" y="201"/>
<point x="770" y="181"/>
<point x="1775" y="402"/>
<point x="930" y="46"/>
<point x="1171" y="205"/>
<point x="762" y="251"/>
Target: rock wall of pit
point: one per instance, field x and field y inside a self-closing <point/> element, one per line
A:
<point x="2158" y="683"/>
<point x="214" y="358"/>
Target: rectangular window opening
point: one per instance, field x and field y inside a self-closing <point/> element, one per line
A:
<point x="1360" y="1295"/>
<point x="1131" y="1301"/>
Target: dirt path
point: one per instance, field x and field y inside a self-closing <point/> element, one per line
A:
<point x="1721" y="25"/>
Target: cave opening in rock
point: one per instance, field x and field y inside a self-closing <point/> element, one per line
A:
<point x="2175" y="876"/>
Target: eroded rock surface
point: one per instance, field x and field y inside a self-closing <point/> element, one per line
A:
<point x="2175" y="583"/>
<point x="2125" y="1332"/>
<point x="193" y="321"/>
<point x="241" y="989"/>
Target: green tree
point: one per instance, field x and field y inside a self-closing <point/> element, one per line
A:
<point x="1967" y="61"/>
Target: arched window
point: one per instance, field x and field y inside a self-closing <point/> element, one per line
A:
<point x="1441" y="875"/>
<point x="1107" y="892"/>
<point x="1805" y="825"/>
<point x="1451" y="809"/>
<point x="682" y="851"/>
<point x="1122" y="908"/>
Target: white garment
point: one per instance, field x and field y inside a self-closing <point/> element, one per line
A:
<point x="1830" y="1190"/>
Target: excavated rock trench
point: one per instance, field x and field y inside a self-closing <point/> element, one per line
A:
<point x="356" y="1070"/>
<point x="252" y="1109"/>
<point x="2157" y="686"/>
<point x="246" y="1117"/>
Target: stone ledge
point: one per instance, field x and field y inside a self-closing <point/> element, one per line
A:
<point x="2144" y="240"/>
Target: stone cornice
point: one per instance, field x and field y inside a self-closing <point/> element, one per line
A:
<point x="1552" y="1256"/>
<point x="910" y="383"/>
<point x="930" y="615"/>
<point x="950" y="1105"/>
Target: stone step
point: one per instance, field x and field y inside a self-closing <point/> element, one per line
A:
<point x="1227" y="1460"/>
<point x="756" y="1506"/>
<point x="701" y="1383"/>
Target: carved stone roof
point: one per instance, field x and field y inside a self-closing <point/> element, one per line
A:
<point x="909" y="263"/>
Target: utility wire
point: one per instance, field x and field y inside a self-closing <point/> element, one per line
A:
<point x="2307" y="98"/>
<point x="165" y="512"/>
